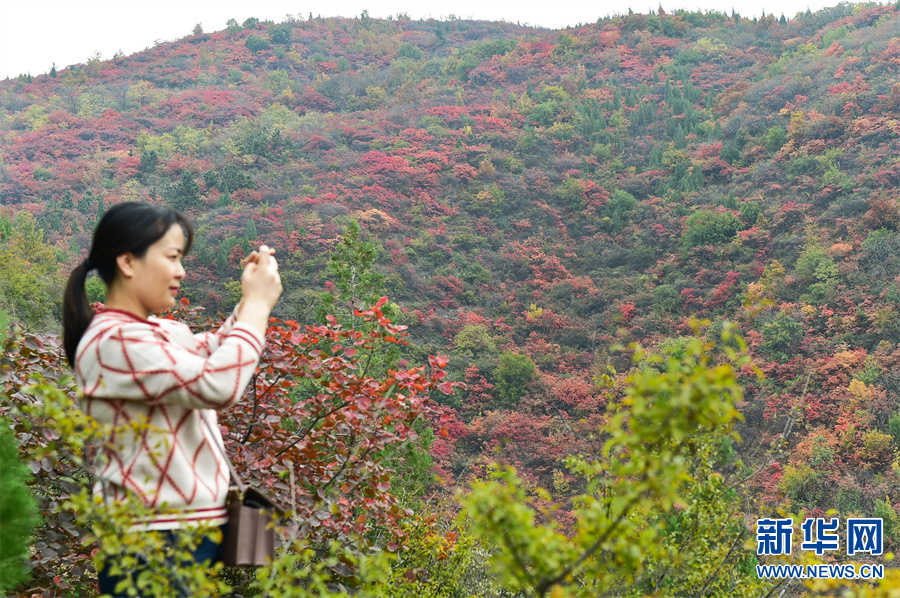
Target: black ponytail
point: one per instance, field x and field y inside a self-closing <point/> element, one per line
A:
<point x="127" y="227"/>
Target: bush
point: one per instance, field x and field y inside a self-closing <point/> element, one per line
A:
<point x="775" y="139"/>
<point x="513" y="373"/>
<point x="17" y="512"/>
<point x="255" y="44"/>
<point x="780" y="336"/>
<point x="709" y="228"/>
<point x="750" y="212"/>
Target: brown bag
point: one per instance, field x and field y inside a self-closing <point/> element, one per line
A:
<point x="250" y="537"/>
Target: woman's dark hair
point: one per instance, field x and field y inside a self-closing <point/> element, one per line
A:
<point x="127" y="227"/>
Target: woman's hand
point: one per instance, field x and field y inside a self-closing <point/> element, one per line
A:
<point x="261" y="286"/>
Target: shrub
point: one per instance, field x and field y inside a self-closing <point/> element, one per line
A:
<point x="709" y="228"/>
<point x="17" y="512"/>
<point x="780" y="336"/>
<point x="513" y="373"/>
<point x="255" y="44"/>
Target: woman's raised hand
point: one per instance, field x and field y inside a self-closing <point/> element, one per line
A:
<point x="261" y="286"/>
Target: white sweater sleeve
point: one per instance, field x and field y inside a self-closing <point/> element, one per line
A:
<point x="137" y="361"/>
<point x="208" y="342"/>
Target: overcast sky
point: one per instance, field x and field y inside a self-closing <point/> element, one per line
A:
<point x="36" y="33"/>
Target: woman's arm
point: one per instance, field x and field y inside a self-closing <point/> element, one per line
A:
<point x="261" y="288"/>
<point x="136" y="361"/>
<point x="209" y="341"/>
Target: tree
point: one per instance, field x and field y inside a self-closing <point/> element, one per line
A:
<point x="67" y="203"/>
<point x="280" y="34"/>
<point x="358" y="284"/>
<point x="655" y="515"/>
<point x="17" y="509"/>
<point x="186" y="194"/>
<point x="513" y="373"/>
<point x="101" y="210"/>
<point x="86" y="201"/>
<point x="256" y="44"/>
<point x="775" y="139"/>
<point x="148" y="164"/>
<point x="250" y="232"/>
<point x="706" y="227"/>
<point x="30" y="282"/>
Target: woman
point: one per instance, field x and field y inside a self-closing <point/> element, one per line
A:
<point x="133" y="367"/>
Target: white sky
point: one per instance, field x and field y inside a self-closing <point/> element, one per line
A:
<point x="36" y="33"/>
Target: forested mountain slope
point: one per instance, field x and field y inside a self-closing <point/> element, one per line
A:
<point x="535" y="196"/>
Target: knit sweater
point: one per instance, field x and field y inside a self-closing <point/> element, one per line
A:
<point x="132" y="370"/>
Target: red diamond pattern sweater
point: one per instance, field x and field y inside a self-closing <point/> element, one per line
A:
<point x="156" y="370"/>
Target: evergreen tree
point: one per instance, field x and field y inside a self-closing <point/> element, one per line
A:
<point x="187" y="193"/>
<point x="101" y="209"/>
<point x="53" y="71"/>
<point x="85" y="203"/>
<point x="17" y="509"/>
<point x="358" y="284"/>
<point x="224" y="199"/>
<point x="149" y="161"/>
<point x="250" y="232"/>
<point x="67" y="203"/>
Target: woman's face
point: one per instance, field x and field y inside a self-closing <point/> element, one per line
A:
<point x="157" y="276"/>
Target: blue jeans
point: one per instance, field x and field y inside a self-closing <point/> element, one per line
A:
<point x="206" y="554"/>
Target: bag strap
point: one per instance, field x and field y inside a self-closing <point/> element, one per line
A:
<point x="242" y="487"/>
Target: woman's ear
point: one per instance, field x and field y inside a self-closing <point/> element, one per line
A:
<point x="125" y="262"/>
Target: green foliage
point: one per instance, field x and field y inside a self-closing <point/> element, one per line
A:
<point x="706" y="227"/>
<point x="95" y="289"/>
<point x="834" y="35"/>
<point x="357" y="283"/>
<point x="149" y="162"/>
<point x="780" y="337"/>
<point x="619" y="209"/>
<point x="891" y="521"/>
<point x="513" y="373"/>
<point x="409" y="51"/>
<point x="894" y="428"/>
<point x="750" y="212"/>
<point x="571" y="193"/>
<point x="665" y="298"/>
<point x="801" y="484"/>
<point x="250" y="231"/>
<point x="31" y="285"/>
<point x="446" y="562"/>
<point x="475" y="339"/>
<point x="186" y="194"/>
<point x="42" y="174"/>
<point x="660" y="447"/>
<point x="279" y="34"/>
<point x="775" y="139"/>
<point x="17" y="509"/>
<point x="256" y="44"/>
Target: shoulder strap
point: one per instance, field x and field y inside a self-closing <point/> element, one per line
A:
<point x="234" y="474"/>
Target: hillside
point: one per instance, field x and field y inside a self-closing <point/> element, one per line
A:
<point x="535" y="197"/>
